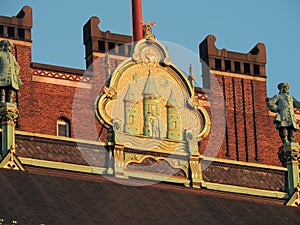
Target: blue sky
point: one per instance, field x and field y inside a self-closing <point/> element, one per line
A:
<point x="237" y="24"/>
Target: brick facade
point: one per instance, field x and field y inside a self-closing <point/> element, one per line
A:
<point x="52" y="92"/>
<point x="250" y="134"/>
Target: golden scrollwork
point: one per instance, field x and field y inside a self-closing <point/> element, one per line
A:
<point x="110" y="92"/>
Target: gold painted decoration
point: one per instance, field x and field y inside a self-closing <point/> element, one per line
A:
<point x="147" y="30"/>
<point x="151" y="105"/>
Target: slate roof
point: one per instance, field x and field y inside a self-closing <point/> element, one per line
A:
<point x="95" y="155"/>
<point x="260" y="178"/>
<point x="55" y="197"/>
<point x="60" y="151"/>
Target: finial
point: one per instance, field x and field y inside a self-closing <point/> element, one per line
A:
<point x="147" y="29"/>
<point x="191" y="70"/>
<point x="191" y="77"/>
<point x="107" y="66"/>
<point x="12" y="151"/>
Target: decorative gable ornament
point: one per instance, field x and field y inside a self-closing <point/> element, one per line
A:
<point x="11" y="161"/>
<point x="148" y="103"/>
<point x="153" y="117"/>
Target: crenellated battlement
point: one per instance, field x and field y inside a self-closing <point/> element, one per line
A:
<point x="97" y="41"/>
<point x="242" y="79"/>
<point x="17" y="27"/>
<point x="251" y="63"/>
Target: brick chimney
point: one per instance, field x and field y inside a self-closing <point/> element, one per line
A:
<point x="242" y="78"/>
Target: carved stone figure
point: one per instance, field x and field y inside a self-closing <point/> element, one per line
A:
<point x="147" y="30"/>
<point x="283" y="104"/>
<point x="155" y="131"/>
<point x="9" y="71"/>
<point x="117" y="125"/>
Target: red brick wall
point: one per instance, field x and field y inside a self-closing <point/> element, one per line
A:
<point x="42" y="104"/>
<point x="23" y="56"/>
<point x="250" y="134"/>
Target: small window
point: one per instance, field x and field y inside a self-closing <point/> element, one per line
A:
<point x="129" y="49"/>
<point x="10" y="31"/>
<point x="111" y="47"/>
<point x="237" y="67"/>
<point x="63" y="127"/>
<point x="246" y="68"/>
<point x="101" y="46"/>
<point x="1" y="30"/>
<point x="21" y="33"/>
<point x="121" y="49"/>
<point x="218" y="64"/>
<point x="256" y="69"/>
<point x="227" y="65"/>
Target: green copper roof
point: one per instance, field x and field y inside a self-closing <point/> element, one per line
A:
<point x="150" y="87"/>
<point x="129" y="96"/>
<point x="172" y="101"/>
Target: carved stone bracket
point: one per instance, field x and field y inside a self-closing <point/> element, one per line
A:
<point x="119" y="161"/>
<point x="289" y="156"/>
<point x="289" y="153"/>
<point x="195" y="172"/>
<point x="8" y="118"/>
<point x="8" y="113"/>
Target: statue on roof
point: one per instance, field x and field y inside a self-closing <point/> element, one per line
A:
<point x="147" y="30"/>
<point x="283" y="104"/>
<point x="9" y="71"/>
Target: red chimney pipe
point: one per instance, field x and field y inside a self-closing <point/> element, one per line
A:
<point x="137" y="28"/>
